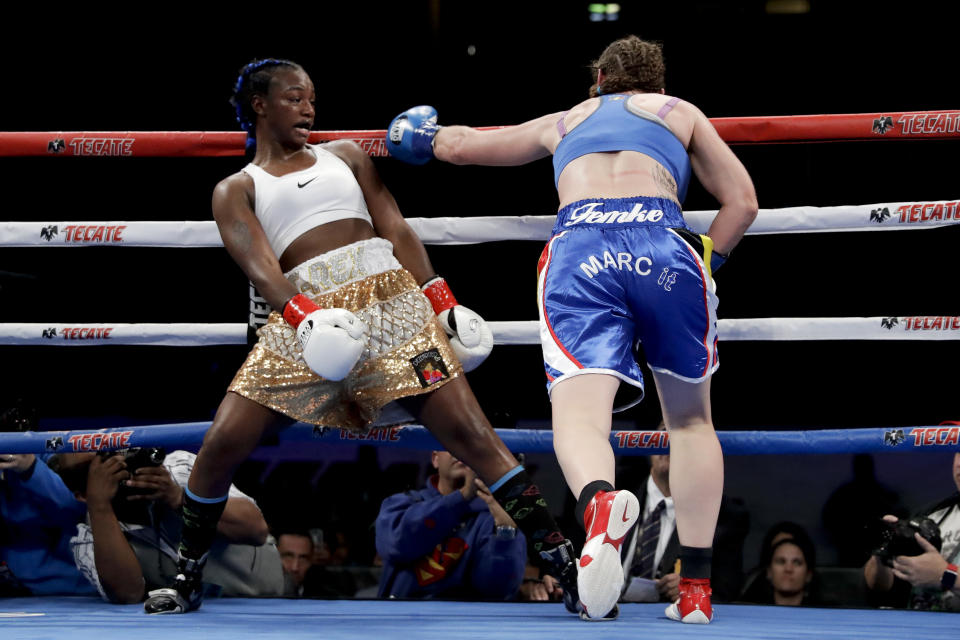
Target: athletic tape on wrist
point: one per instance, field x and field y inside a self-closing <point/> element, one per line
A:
<point x="297" y="308"/>
<point x="438" y="292"/>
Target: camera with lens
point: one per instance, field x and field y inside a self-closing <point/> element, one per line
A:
<point x="134" y="511"/>
<point x="897" y="538"/>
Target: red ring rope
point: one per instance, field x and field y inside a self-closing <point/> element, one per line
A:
<point x="927" y="125"/>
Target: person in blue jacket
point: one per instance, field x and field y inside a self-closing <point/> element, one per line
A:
<point x="38" y="513"/>
<point x="449" y="540"/>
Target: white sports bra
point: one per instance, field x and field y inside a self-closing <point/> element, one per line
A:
<point x="290" y="205"/>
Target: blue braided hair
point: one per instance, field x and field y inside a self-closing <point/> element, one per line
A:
<point x="254" y="78"/>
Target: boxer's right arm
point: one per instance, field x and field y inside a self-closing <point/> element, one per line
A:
<point x="246" y="241"/>
<point x="504" y="147"/>
<point x="414" y="137"/>
<point x="332" y="340"/>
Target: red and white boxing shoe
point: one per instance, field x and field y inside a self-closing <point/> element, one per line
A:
<point x="693" y="605"/>
<point x="607" y="519"/>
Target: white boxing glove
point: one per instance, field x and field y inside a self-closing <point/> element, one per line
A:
<point x="470" y="337"/>
<point x="332" y="340"/>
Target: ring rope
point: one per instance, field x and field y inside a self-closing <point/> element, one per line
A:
<point x="297" y="438"/>
<point x="518" y="332"/>
<point x="929" y="125"/>
<point x="457" y="231"/>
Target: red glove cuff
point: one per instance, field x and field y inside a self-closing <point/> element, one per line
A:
<point x="297" y="308"/>
<point x="439" y="293"/>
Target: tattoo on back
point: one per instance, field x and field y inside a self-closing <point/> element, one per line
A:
<point x="666" y="186"/>
<point x="241" y="236"/>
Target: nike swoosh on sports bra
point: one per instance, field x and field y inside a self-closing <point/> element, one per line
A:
<point x="614" y="126"/>
<point x="290" y="205"/>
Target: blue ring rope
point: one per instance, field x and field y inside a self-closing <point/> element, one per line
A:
<point x="294" y="441"/>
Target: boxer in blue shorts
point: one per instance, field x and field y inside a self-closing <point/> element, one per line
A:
<point x="657" y="285"/>
<point x="622" y="270"/>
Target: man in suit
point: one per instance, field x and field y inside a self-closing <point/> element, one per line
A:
<point x="651" y="551"/>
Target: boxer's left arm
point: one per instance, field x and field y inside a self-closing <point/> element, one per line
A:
<point x="505" y="147"/>
<point x="470" y="337"/>
<point x="724" y="176"/>
<point x="388" y="222"/>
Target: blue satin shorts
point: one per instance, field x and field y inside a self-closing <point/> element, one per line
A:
<point x="618" y="275"/>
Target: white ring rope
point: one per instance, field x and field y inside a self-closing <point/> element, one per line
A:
<point x="454" y="231"/>
<point x="504" y="333"/>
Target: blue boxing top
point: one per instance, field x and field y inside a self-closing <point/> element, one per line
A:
<point x="614" y="126"/>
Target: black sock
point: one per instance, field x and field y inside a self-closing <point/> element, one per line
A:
<point x="587" y="495"/>
<point x="200" y="518"/>
<point x="522" y="501"/>
<point x="695" y="562"/>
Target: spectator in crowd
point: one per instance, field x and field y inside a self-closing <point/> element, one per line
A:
<point x="128" y="544"/>
<point x="928" y="580"/>
<point x="296" y="554"/>
<point x="37" y="516"/>
<point x="303" y="575"/>
<point x="756" y="587"/>
<point x="790" y="572"/>
<point x="449" y="540"/>
<point x="651" y="551"/>
<point x="853" y="506"/>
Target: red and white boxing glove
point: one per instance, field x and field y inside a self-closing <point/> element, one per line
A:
<point x="470" y="337"/>
<point x="332" y="339"/>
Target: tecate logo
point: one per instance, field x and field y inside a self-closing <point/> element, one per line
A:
<point x="97" y="233"/>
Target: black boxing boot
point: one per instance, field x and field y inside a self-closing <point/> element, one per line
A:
<point x="200" y="517"/>
<point x="561" y="563"/>
<point x="186" y="593"/>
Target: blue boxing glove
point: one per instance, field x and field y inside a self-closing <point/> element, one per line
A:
<point x="410" y="136"/>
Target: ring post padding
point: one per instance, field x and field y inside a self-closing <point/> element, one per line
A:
<point x="300" y="440"/>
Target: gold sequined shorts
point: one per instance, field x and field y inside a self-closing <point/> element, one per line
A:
<point x="407" y="351"/>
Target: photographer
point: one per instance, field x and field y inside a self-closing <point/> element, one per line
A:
<point x="921" y="577"/>
<point x="128" y="546"/>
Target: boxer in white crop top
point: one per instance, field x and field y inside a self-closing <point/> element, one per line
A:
<point x="291" y="204"/>
<point x="309" y="227"/>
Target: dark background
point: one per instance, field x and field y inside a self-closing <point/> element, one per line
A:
<point x="175" y="71"/>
